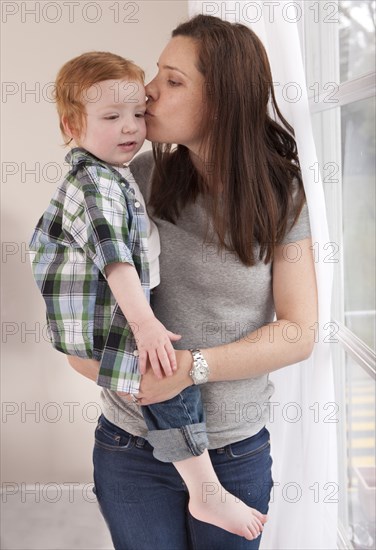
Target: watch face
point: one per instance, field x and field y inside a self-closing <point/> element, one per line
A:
<point x="200" y="369"/>
<point x="201" y="372"/>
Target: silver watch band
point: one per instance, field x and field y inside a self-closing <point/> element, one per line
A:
<point x="200" y="368"/>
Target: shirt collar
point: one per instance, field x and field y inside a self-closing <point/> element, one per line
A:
<point x="77" y="155"/>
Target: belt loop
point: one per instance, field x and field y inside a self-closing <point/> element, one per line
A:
<point x="221" y="450"/>
<point x="140" y="442"/>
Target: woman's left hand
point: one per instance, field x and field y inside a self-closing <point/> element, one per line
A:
<point x="154" y="390"/>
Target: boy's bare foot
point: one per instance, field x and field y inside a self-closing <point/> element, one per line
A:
<point x="211" y="503"/>
<point x="228" y="512"/>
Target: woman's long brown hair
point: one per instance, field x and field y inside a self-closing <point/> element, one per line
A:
<point x="252" y="165"/>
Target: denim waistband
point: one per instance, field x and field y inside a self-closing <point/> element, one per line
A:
<point x="141" y="442"/>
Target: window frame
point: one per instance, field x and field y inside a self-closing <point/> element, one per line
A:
<point x="322" y="38"/>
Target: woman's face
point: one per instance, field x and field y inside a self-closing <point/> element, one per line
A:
<point x="176" y="96"/>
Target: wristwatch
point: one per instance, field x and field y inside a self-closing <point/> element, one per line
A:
<point x="200" y="368"/>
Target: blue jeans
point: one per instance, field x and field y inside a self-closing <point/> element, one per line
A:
<point x="144" y="501"/>
<point x="177" y="429"/>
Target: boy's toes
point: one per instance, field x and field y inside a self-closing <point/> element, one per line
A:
<point x="252" y="532"/>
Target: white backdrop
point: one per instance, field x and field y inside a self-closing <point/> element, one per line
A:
<point x="303" y="511"/>
<point x="49" y="411"/>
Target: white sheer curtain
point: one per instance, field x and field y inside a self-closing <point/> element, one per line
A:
<point x="303" y="511"/>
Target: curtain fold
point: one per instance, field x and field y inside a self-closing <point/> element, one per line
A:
<point x="303" y="509"/>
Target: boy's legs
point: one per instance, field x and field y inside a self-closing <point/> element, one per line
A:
<point x="144" y="501"/>
<point x="177" y="431"/>
<point x="177" y="428"/>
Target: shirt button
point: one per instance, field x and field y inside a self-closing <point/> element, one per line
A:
<point x="137" y="204"/>
<point x="135" y="353"/>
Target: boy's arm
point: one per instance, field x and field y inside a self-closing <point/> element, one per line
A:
<point x="125" y="285"/>
<point x="153" y="339"/>
<point x="96" y="217"/>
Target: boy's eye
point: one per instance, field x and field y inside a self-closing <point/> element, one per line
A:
<point x="140" y="115"/>
<point x="111" y="117"/>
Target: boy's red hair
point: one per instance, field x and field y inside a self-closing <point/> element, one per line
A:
<point x="78" y="75"/>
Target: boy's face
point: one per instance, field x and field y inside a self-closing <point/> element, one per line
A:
<point x="115" y="125"/>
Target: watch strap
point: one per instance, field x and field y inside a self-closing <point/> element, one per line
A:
<point x="199" y="363"/>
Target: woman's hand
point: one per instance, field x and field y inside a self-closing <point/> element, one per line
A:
<point x="154" y="390"/>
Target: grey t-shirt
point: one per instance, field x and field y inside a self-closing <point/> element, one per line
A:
<point x="210" y="298"/>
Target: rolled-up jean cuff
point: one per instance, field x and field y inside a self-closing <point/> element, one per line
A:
<point x="177" y="444"/>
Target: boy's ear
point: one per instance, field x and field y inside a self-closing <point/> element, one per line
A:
<point x="68" y="130"/>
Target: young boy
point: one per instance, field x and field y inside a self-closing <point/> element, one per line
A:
<point x="95" y="244"/>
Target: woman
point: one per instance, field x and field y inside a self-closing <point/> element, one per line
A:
<point x="227" y="203"/>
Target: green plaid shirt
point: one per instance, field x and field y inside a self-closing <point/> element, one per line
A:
<point x="93" y="220"/>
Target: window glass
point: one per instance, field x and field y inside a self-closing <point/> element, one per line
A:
<point x="345" y="143"/>
<point x="358" y="197"/>
<point x="360" y="408"/>
<point x="357" y="38"/>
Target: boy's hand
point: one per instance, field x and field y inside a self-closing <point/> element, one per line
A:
<point x="154" y="343"/>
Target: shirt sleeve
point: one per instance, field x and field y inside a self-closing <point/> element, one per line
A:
<point x="301" y="230"/>
<point x="98" y="222"/>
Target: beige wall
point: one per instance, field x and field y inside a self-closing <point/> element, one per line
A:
<point x="54" y="442"/>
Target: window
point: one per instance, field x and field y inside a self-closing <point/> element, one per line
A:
<point x="339" y="48"/>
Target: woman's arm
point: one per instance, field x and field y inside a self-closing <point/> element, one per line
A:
<point x="87" y="367"/>
<point x="288" y="340"/>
